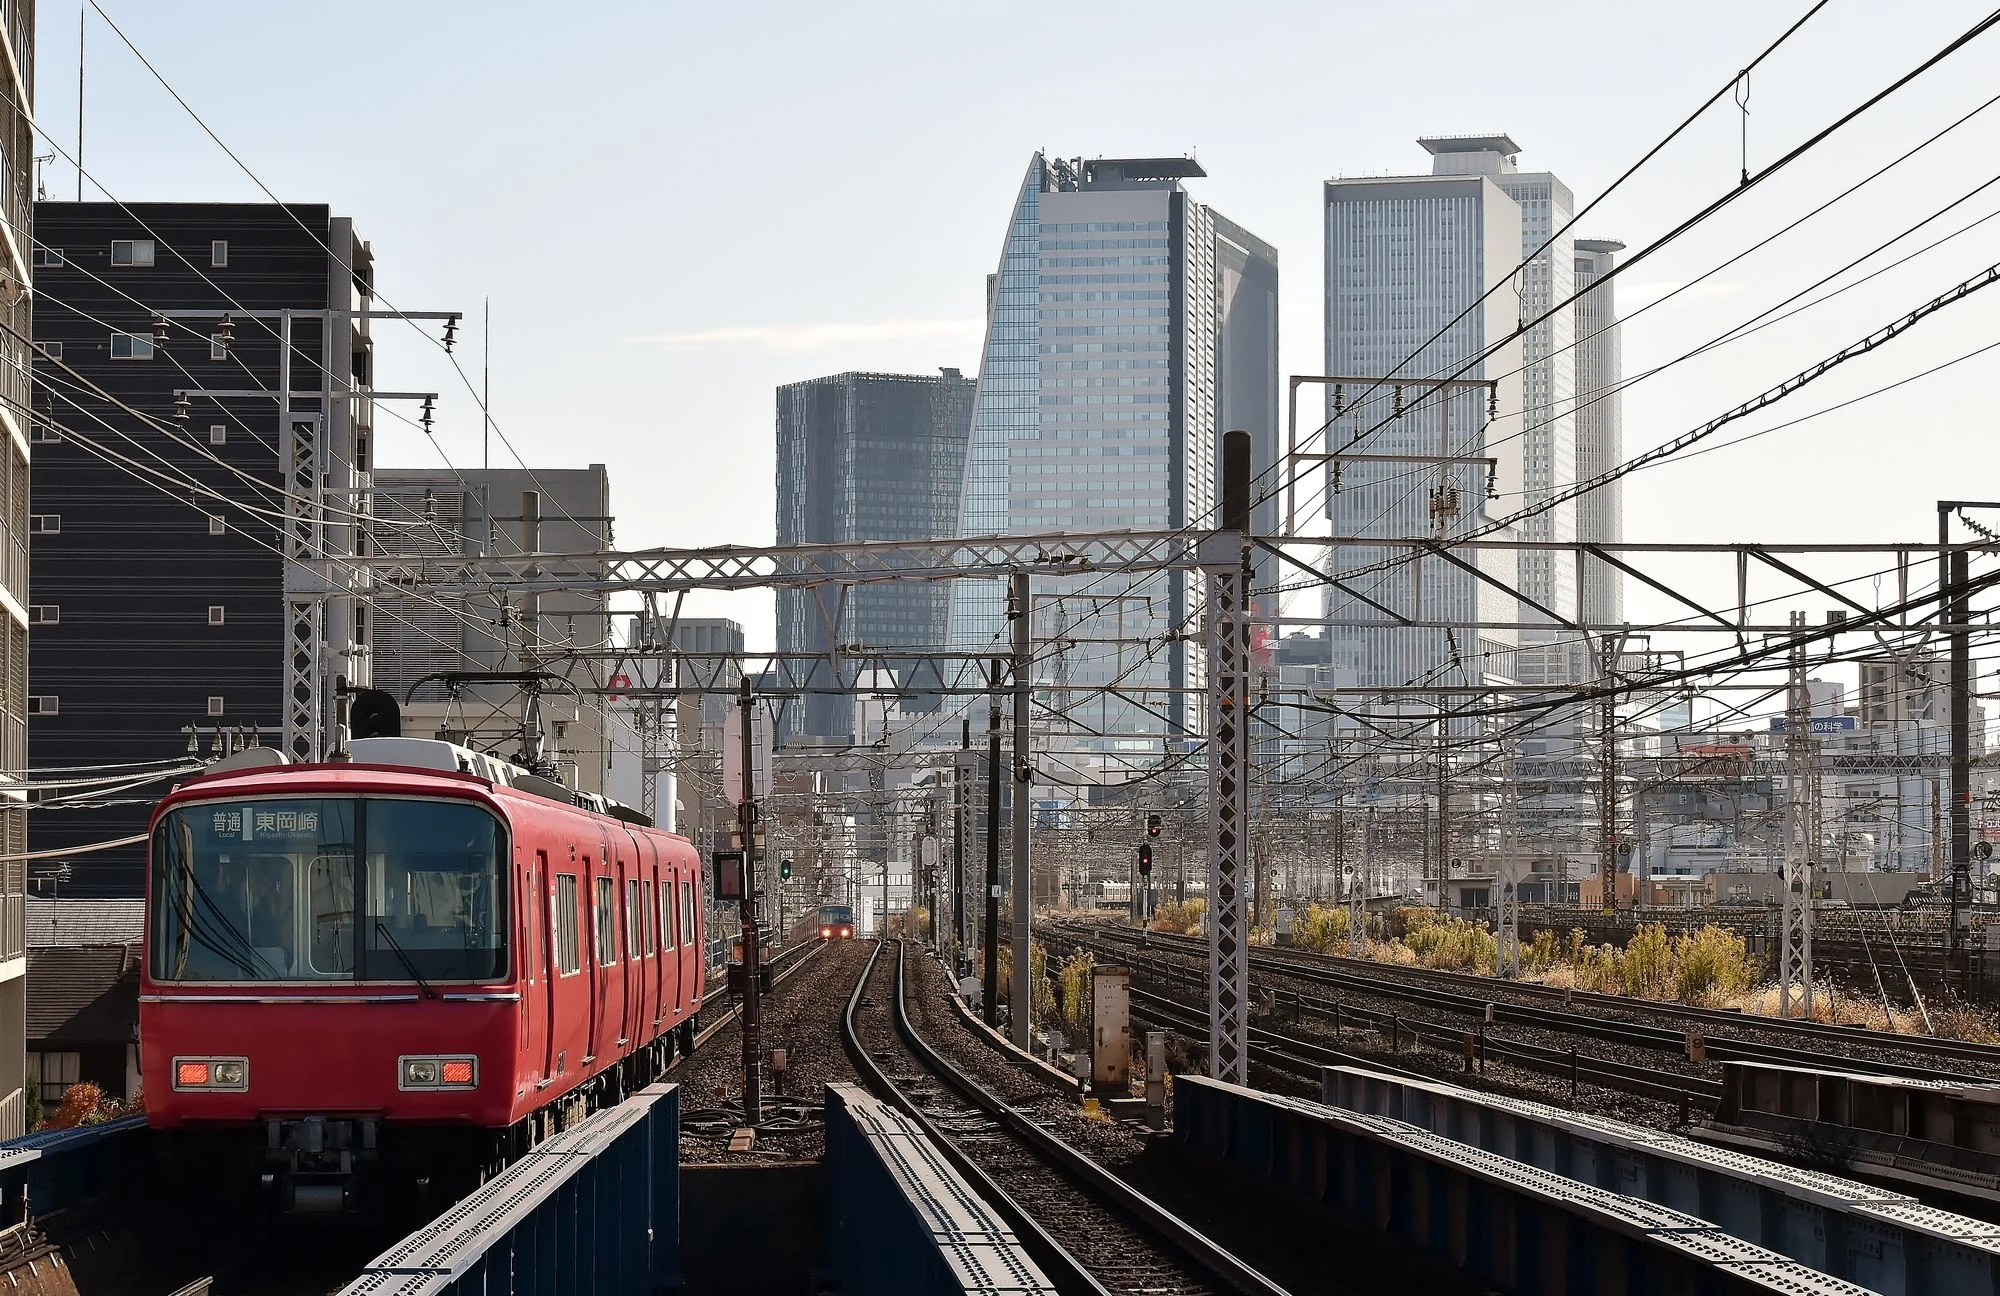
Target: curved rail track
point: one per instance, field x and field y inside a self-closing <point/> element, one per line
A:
<point x="1093" y="1232"/>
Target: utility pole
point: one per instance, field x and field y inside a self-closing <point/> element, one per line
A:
<point x="1443" y="861"/>
<point x="1607" y="776"/>
<point x="1357" y="892"/>
<point x="1508" y="875"/>
<point x="753" y="1009"/>
<point x="990" y="954"/>
<point x="1225" y="561"/>
<point x="1958" y="610"/>
<point x="1795" y="891"/>
<point x="1020" y="607"/>
<point x="532" y="749"/>
<point x="959" y="790"/>
<point x="1955" y="609"/>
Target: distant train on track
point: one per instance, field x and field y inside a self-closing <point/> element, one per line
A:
<point x="401" y="968"/>
<point x="836" y="922"/>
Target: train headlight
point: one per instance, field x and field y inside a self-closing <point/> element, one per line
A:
<point x="437" y="1073"/>
<point x="226" y="1074"/>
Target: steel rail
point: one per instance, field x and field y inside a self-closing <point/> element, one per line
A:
<point x="1193" y="1245"/>
<point x="1303" y="964"/>
<point x="1064" y="1269"/>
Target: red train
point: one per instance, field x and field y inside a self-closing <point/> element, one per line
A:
<point x="404" y="967"/>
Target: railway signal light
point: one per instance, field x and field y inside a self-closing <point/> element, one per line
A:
<point x="784" y="870"/>
<point x="1152" y="825"/>
<point x="1145" y="859"/>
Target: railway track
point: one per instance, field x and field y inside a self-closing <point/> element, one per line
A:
<point x="1093" y="1232"/>
<point x="1925" y="1057"/>
<point x="1297" y="1052"/>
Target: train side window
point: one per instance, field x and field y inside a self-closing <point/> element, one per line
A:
<point x="607" y="930"/>
<point x="633" y="919"/>
<point x="646" y="912"/>
<point x="687" y="913"/>
<point x="667" y="913"/>
<point x="569" y="955"/>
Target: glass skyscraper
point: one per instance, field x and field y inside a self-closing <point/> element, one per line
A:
<point x="865" y="456"/>
<point x="1128" y="326"/>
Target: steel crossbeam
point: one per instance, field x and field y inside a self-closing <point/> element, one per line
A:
<point x="782" y="674"/>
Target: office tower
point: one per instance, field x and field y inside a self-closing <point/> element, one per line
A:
<point x="1128" y="326"/>
<point x="17" y="132"/>
<point x="174" y="585"/>
<point x="1600" y="435"/>
<point x="864" y="456"/>
<point x="429" y="648"/>
<point x="1409" y="261"/>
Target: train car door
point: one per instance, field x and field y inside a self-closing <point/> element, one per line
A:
<point x="545" y="914"/>
<point x="649" y="930"/>
<point x="593" y="903"/>
<point x="670" y="938"/>
<point x="615" y="955"/>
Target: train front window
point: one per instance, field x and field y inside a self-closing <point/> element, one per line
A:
<point x="433" y="893"/>
<point x="269" y="890"/>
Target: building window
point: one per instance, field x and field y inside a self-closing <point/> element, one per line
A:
<point x="53" y="350"/>
<point x="44" y="614"/>
<point x="217" y="614"/>
<point x="131" y="252"/>
<point x="131" y="346"/>
<point x="44" y="524"/>
<point x="218" y="434"/>
<point x="216" y="526"/>
<point x="48" y="258"/>
<point x="569" y="957"/>
<point x="215" y="706"/>
<point x="44" y="704"/>
<point x="218" y="252"/>
<point x="43" y="433"/>
<point x="54" y="1072"/>
<point x="217" y="348"/>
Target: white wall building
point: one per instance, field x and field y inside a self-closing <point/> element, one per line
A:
<point x="1406" y="255"/>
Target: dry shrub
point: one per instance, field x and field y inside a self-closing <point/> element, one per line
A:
<point x="1076" y="987"/>
<point x="1320" y="928"/>
<point x="1452" y="944"/>
<point x="1646" y="965"/>
<point x="1712" y="965"/>
<point x="1181" y="919"/>
<point x="1041" y="997"/>
<point x="1963" y="1022"/>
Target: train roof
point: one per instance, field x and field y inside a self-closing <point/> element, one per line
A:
<point x="398" y="764"/>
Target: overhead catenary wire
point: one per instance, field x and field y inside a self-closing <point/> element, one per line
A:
<point x="465" y="378"/>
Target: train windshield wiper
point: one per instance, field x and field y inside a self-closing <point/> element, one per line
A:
<point x="408" y="965"/>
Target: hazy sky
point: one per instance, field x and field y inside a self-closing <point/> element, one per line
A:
<point x="675" y="208"/>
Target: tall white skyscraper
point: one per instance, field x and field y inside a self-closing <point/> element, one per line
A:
<point x="1600" y="433"/>
<point x="1407" y="260"/>
<point x="1405" y="255"/>
<point x="1128" y="326"/>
